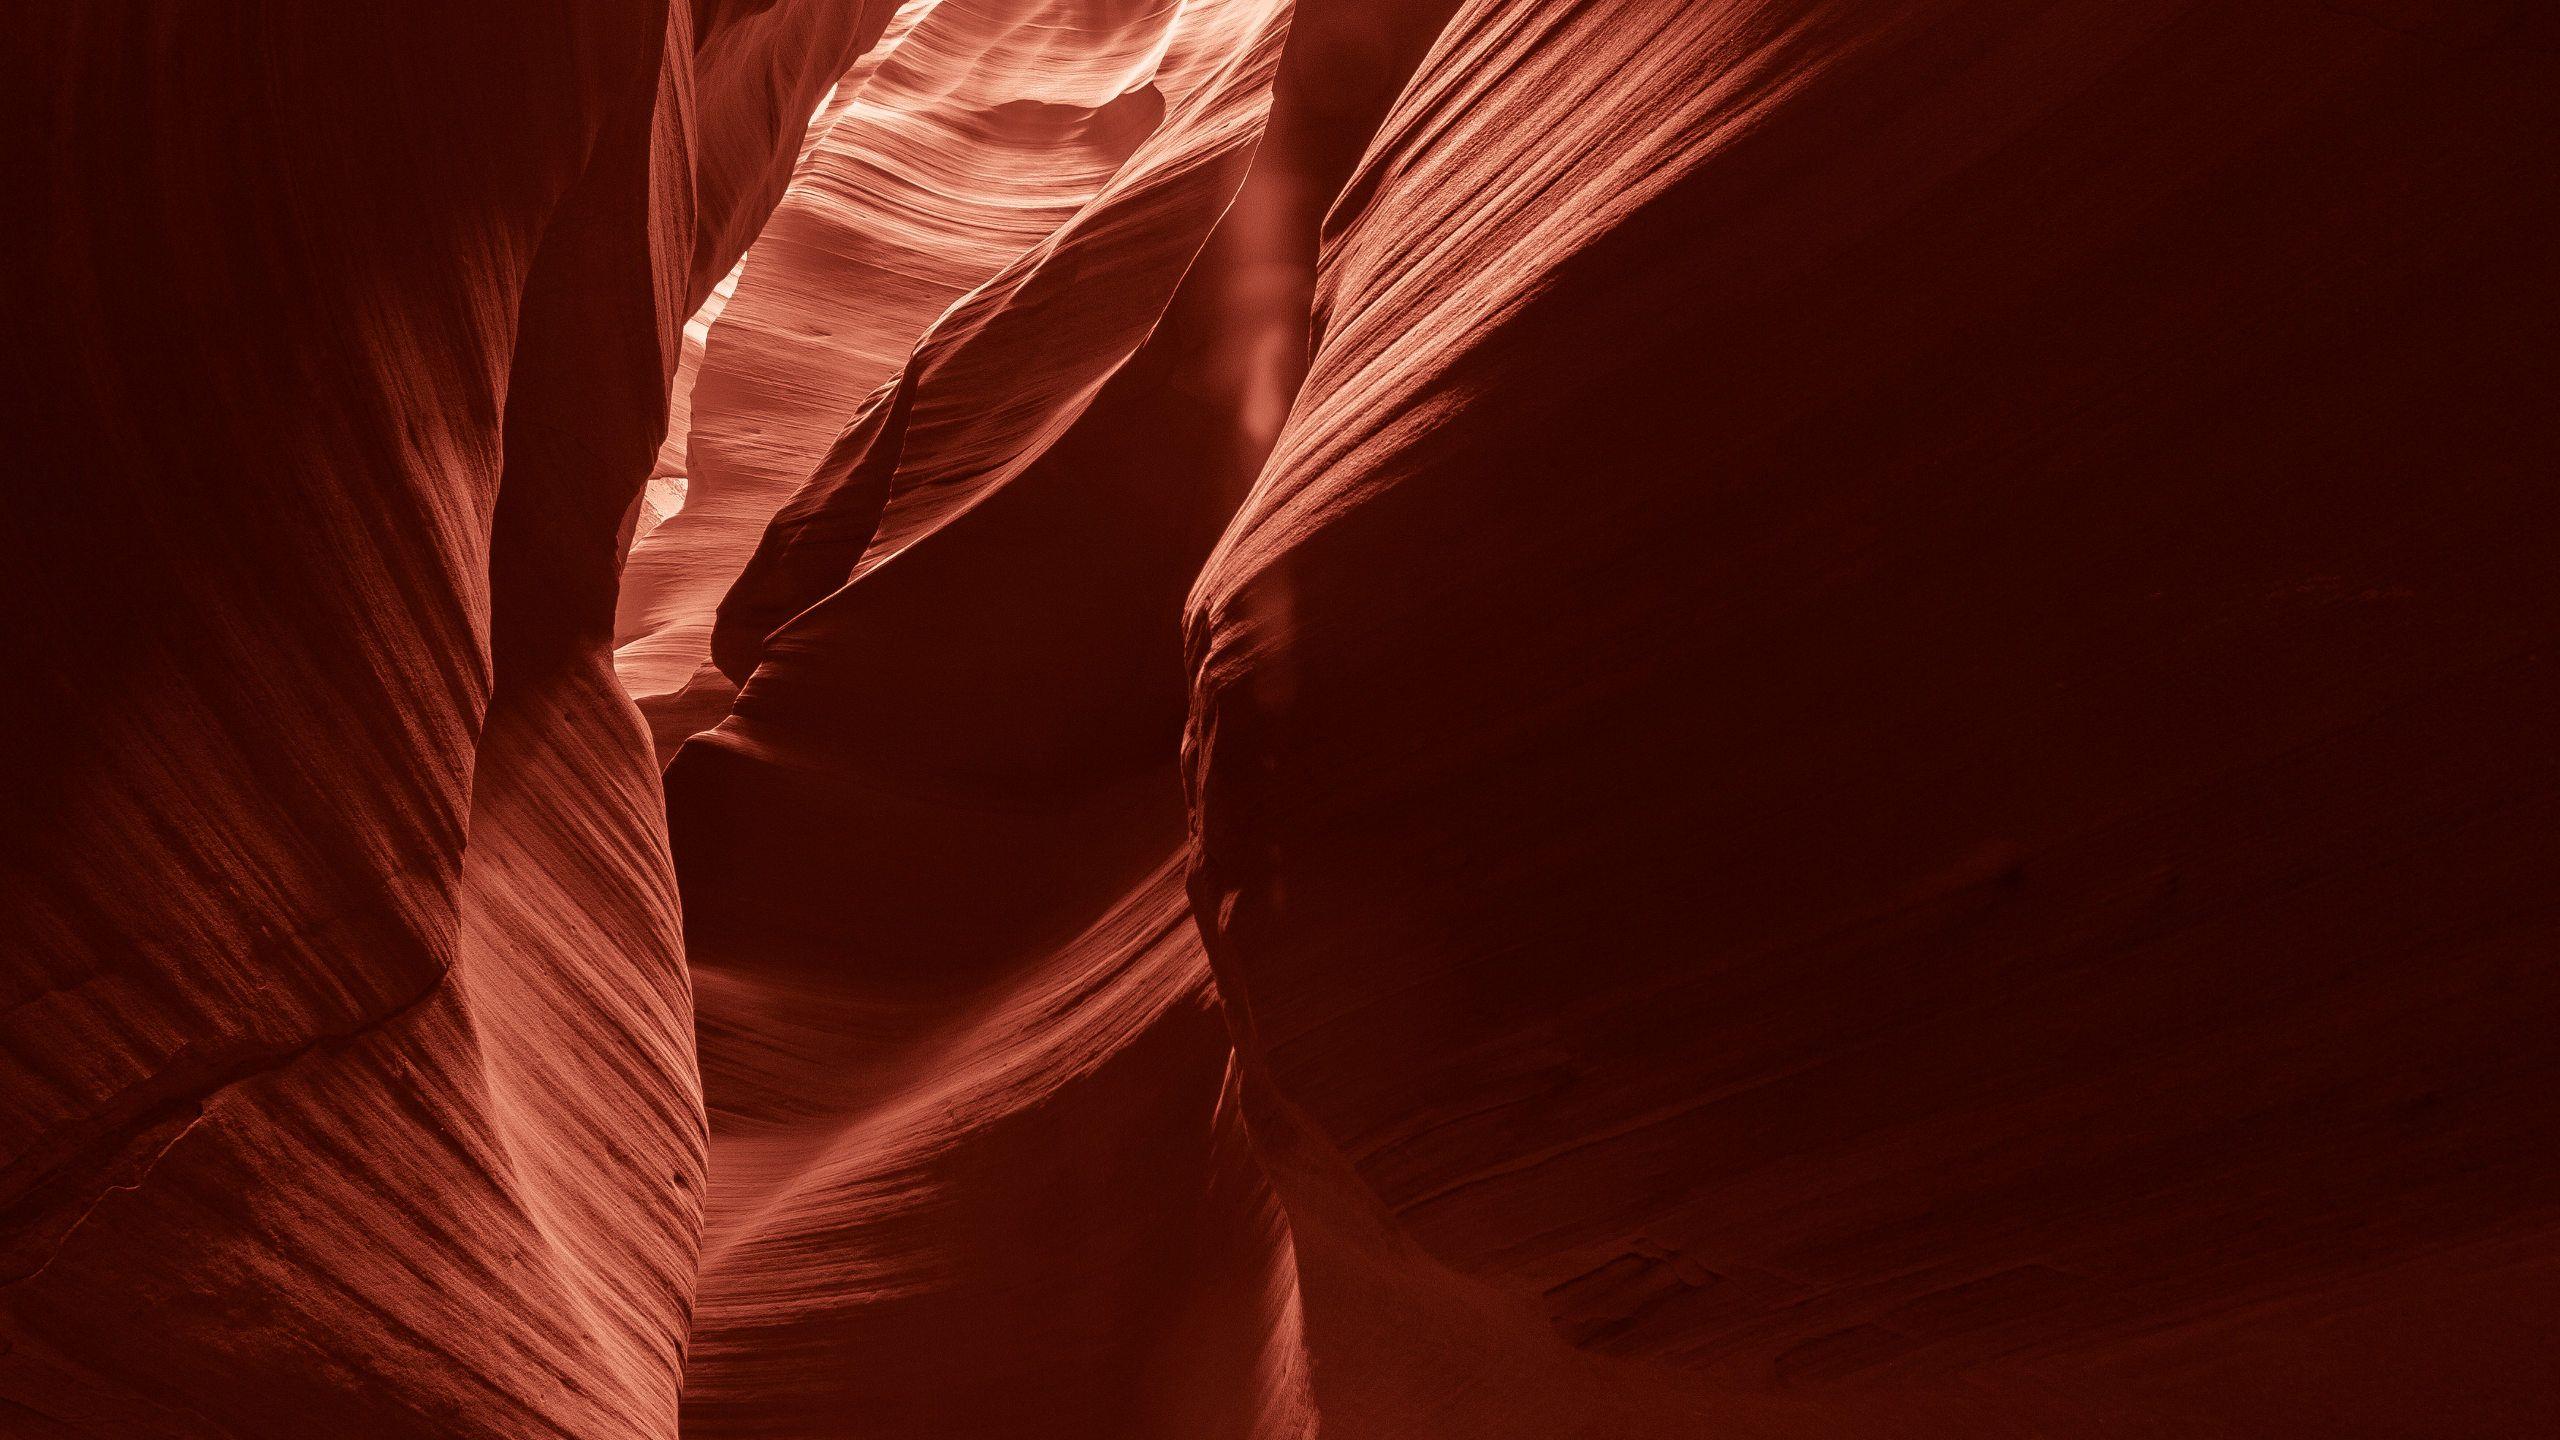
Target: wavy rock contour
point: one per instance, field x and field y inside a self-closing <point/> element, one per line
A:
<point x="348" y="1047"/>
<point x="978" y="1165"/>
<point x="1870" y="761"/>
<point x="1951" y="783"/>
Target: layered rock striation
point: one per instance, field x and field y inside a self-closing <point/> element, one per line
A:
<point x="1763" y="717"/>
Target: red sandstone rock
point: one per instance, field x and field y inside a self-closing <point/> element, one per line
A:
<point x="348" y="1051"/>
<point x="1871" y="737"/>
<point x="1872" y="761"/>
<point x="985" y="128"/>
<point x="970" y="1093"/>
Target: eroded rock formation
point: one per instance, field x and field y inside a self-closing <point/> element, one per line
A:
<point x="1868" y="760"/>
<point x="1943" y="832"/>
<point x="349" y="1049"/>
<point x="970" y="1091"/>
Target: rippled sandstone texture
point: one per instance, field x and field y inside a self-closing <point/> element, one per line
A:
<point x="977" y="1167"/>
<point x="1873" y="735"/>
<point x="348" y="1048"/>
<point x="1871" y="760"/>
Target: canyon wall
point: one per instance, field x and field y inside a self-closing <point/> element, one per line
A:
<point x="1873" y="737"/>
<point x="349" y="1048"/>
<point x="1557" y="718"/>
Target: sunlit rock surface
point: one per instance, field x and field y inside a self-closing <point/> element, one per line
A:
<point x="1866" y="758"/>
<point x="348" y="1048"/>
<point x="971" y="1093"/>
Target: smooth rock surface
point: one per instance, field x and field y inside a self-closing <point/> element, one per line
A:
<point x="1870" y="740"/>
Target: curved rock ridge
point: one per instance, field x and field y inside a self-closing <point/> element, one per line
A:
<point x="1867" y="742"/>
<point x="347" y="1046"/>
<point x="1014" y="365"/>
<point x="1870" y="756"/>
<point x="1026" y="1203"/>
<point x="760" y="69"/>
<point x="977" y="1162"/>
<point x="988" y="125"/>
<point x="668" y="482"/>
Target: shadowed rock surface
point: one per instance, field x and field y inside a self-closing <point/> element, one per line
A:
<point x="1949" y="824"/>
<point x="1858" y="744"/>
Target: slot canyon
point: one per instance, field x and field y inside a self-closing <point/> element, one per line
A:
<point x="1246" y="720"/>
